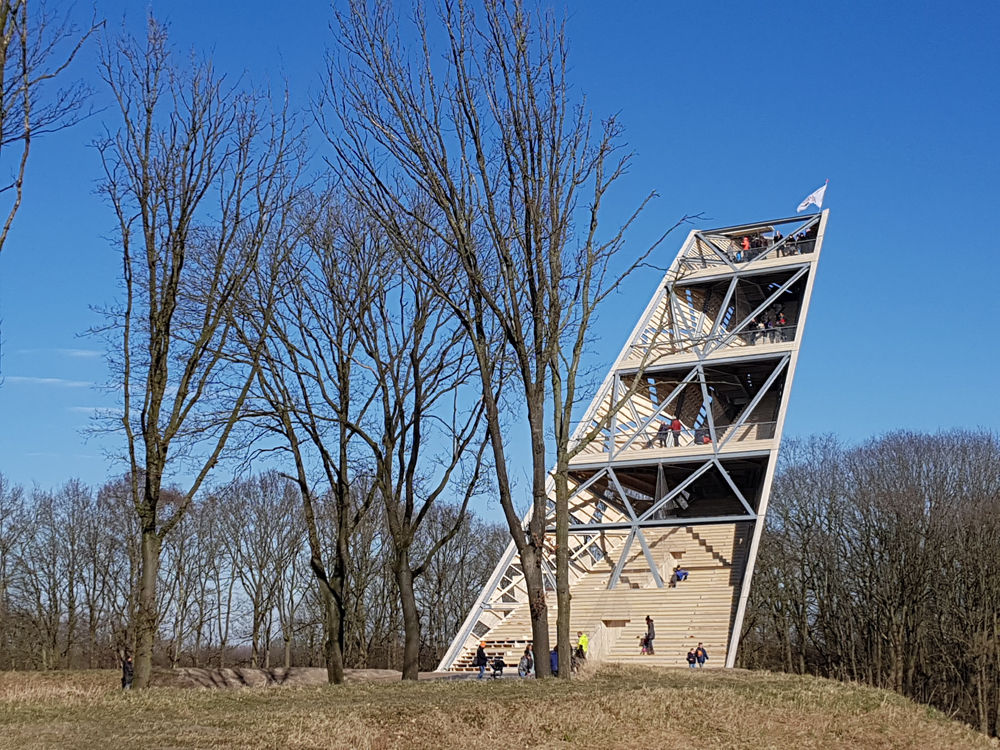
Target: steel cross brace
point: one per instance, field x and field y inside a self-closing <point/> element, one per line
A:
<point x="763" y="306"/>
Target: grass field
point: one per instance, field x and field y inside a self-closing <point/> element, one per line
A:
<point x="630" y="708"/>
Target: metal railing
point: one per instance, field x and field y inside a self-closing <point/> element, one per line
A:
<point x="746" y="337"/>
<point x="731" y="249"/>
<point x="654" y="437"/>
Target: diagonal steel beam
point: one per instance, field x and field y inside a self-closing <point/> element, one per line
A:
<point x="620" y="565"/>
<point x="707" y="403"/>
<point x="663" y="405"/>
<point x="784" y="240"/>
<point x="763" y="306"/>
<point x="586" y="485"/>
<point x="621" y="492"/>
<point x="725" y="304"/>
<point x="732" y="484"/>
<point x="756" y="400"/>
<point x="675" y="491"/>
<point x="717" y="250"/>
<point x="649" y="558"/>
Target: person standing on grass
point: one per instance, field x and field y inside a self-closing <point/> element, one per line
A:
<point x="583" y="643"/>
<point x="554" y="660"/>
<point x="701" y="655"/>
<point x="480" y="660"/>
<point x="692" y="659"/>
<point x="650" y="635"/>
<point x="526" y="667"/>
<point x="127" y="672"/>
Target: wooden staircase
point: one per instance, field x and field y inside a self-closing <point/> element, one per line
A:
<point x="699" y="609"/>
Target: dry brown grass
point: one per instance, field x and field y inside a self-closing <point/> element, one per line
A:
<point x="628" y="708"/>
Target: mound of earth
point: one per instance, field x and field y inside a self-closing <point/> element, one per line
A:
<point x="191" y="677"/>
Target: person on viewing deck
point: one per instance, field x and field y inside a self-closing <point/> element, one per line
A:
<point x="650" y="635"/>
<point x="661" y="434"/>
<point x="675" y="429"/>
<point x="682" y="575"/>
<point x="701" y="655"/>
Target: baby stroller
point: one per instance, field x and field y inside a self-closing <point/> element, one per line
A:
<point x="498" y="665"/>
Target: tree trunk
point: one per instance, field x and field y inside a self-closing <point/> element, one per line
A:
<point x="537" y="607"/>
<point x="146" y="620"/>
<point x="411" y="617"/>
<point x="562" y="572"/>
<point x="333" y="630"/>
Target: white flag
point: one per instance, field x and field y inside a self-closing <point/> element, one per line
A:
<point x="815" y="198"/>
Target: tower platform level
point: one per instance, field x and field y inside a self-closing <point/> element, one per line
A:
<point x="688" y="423"/>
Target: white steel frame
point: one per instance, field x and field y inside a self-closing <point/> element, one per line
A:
<point x="694" y="352"/>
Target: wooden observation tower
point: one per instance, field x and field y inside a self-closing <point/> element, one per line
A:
<point x="680" y="474"/>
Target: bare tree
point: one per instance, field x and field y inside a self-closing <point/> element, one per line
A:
<point x="484" y="148"/>
<point x="880" y="565"/>
<point x="308" y="391"/>
<point x="420" y="362"/>
<point x="36" y="48"/>
<point x="200" y="176"/>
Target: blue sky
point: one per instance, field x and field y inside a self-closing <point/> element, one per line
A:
<point x="732" y="110"/>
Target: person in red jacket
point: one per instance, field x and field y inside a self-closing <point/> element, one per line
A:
<point x="675" y="429"/>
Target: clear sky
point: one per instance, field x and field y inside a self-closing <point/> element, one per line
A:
<point x="732" y="111"/>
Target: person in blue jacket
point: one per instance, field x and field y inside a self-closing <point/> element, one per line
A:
<point x="554" y="660"/>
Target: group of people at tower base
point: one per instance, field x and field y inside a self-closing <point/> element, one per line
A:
<point x="696" y="657"/>
<point x="526" y="665"/>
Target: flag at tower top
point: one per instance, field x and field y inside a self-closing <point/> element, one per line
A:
<point x="814" y="198"/>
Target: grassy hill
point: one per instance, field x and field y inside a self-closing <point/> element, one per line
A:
<point x="633" y="708"/>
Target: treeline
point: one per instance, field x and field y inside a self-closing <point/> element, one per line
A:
<point x="234" y="588"/>
<point x="881" y="564"/>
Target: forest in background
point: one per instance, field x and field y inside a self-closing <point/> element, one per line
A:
<point x="235" y="587"/>
<point x="880" y="564"/>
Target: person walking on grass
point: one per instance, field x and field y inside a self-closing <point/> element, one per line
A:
<point x="650" y="635"/>
<point x="701" y="655"/>
<point x="127" y="672"/>
<point x="480" y="660"/>
<point x="692" y="660"/>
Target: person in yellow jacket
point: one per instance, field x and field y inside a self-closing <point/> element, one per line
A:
<point x="582" y="643"/>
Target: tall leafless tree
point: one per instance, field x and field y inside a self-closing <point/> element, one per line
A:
<point x="421" y="365"/>
<point x="200" y="175"/>
<point x="484" y="148"/>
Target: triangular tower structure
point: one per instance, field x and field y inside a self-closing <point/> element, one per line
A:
<point x="689" y="419"/>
